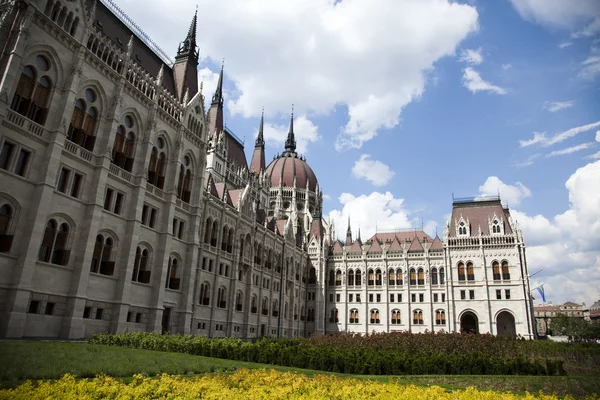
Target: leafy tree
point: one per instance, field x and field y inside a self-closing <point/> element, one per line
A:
<point x="571" y="326"/>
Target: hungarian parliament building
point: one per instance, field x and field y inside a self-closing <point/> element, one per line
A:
<point x="125" y="205"/>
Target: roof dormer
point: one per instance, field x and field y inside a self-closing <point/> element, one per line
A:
<point x="462" y="227"/>
<point x="496" y="225"/>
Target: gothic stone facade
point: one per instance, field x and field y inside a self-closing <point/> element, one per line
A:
<point x="125" y="205"/>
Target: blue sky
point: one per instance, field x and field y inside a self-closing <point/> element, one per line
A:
<point x="401" y="104"/>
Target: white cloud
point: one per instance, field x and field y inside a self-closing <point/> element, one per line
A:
<point x="376" y="172"/>
<point x="538" y="137"/>
<point x="326" y="197"/>
<point x="565" y="44"/>
<point x="473" y="81"/>
<point x="597" y="136"/>
<point x="591" y="67"/>
<point x="566" y="246"/>
<point x="506" y="66"/>
<point x="554" y="106"/>
<point x="541" y="138"/>
<point x="508" y="193"/>
<point x="305" y="131"/>
<point x="381" y="211"/>
<point x="371" y="57"/>
<point x="529" y="160"/>
<point x="558" y="13"/>
<point x="209" y="80"/>
<point x="595" y="156"/>
<point x="471" y="56"/>
<point x="592" y="29"/>
<point x="570" y="150"/>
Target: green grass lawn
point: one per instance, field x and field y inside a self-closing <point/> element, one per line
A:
<point x="22" y="360"/>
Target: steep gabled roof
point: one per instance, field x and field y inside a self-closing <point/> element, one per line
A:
<point x="338" y="247"/>
<point x="355" y="248"/>
<point x="436" y="244"/>
<point x="395" y="246"/>
<point x="235" y="195"/>
<point x="316" y="228"/>
<point x="281" y="226"/>
<point x="478" y="212"/>
<point x="212" y="188"/>
<point x="375" y="247"/>
<point x="415" y="245"/>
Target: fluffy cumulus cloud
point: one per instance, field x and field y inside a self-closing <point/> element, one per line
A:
<point x="369" y="57"/>
<point x="566" y="246"/>
<point x="376" y="172"/>
<point x="475" y="83"/>
<point x="375" y="211"/>
<point x="305" y="132"/>
<point x="555" y="106"/>
<point x="511" y="194"/>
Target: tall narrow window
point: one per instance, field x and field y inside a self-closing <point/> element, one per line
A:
<point x="420" y="277"/>
<point x="185" y="180"/>
<point x="418" y="317"/>
<point x="63" y="180"/>
<point x="22" y="161"/>
<point x="54" y="244"/>
<point x="496" y="270"/>
<point x="32" y="96"/>
<point x="371" y="280"/>
<point x="442" y="278"/>
<point x="440" y="317"/>
<point x="374" y="316"/>
<point x="396" y="320"/>
<point x="102" y="258"/>
<point x="6" y="155"/>
<point x="238" y="301"/>
<point x="124" y="145"/>
<point x="505" y="271"/>
<point x="399" y="280"/>
<point x="461" y="271"/>
<point x="157" y="166"/>
<point x="354" y="316"/>
<point x="6" y="214"/>
<point x="357" y="277"/>
<point x="338" y="278"/>
<point x="141" y="272"/>
<point x="173" y="280"/>
<point x="378" y="280"/>
<point x="334" y="316"/>
<point x="84" y="121"/>
<point x="434" y="276"/>
<point x="470" y="272"/>
<point x="413" y="277"/>
<point x="204" y="294"/>
<point x="391" y="278"/>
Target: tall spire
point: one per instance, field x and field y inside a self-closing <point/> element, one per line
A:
<point x="290" y="143"/>
<point x="257" y="165"/>
<point x="218" y="96"/>
<point x="188" y="49"/>
<point x="349" y="234"/>
<point x="260" y="140"/>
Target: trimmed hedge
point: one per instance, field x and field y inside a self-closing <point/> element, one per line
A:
<point x="389" y="354"/>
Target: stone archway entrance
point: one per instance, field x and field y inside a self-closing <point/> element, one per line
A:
<point x="469" y="323"/>
<point x="505" y="324"/>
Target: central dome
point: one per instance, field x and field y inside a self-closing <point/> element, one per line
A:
<point x="289" y="166"/>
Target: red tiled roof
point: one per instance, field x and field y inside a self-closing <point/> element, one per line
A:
<point x="395" y="246"/>
<point x="355" y="248"/>
<point x="478" y="213"/>
<point x="235" y="195"/>
<point x="220" y="187"/>
<point x="375" y="247"/>
<point x="211" y="187"/>
<point x="281" y="226"/>
<point x="258" y="160"/>
<point x="285" y="168"/>
<point x="337" y="247"/>
<point x="415" y="245"/>
<point x="316" y="228"/>
<point x="437" y="244"/>
<point x="235" y="151"/>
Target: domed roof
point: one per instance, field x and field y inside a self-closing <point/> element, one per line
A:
<point x="284" y="168"/>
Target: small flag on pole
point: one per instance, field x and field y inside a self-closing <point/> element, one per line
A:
<point x="540" y="290"/>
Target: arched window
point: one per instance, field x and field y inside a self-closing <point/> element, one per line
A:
<point x="184" y="185"/>
<point x="338" y="278"/>
<point x="158" y="164"/>
<point x="312" y="277"/>
<point x="413" y="277"/>
<point x="84" y="121"/>
<point x="6" y="214"/>
<point x="420" y="277"/>
<point x="470" y="272"/>
<point x="391" y="278"/>
<point x="334" y="316"/>
<point x="230" y="241"/>
<point x="207" y="230"/>
<point x="331" y="278"/>
<point x="442" y="277"/>
<point x="434" y="276"/>
<point x="371" y="279"/>
<point x="204" y="298"/>
<point x="275" y="310"/>
<point x="254" y="307"/>
<point x="238" y="300"/>
<point x="354" y="316"/>
<point x="418" y="317"/>
<point x="496" y="270"/>
<point x="173" y="280"/>
<point x="102" y="262"/>
<point x="461" y="271"/>
<point x="378" y="280"/>
<point x="265" y="306"/>
<point x="214" y="234"/>
<point x="310" y="316"/>
<point x="375" y="316"/>
<point x="505" y="271"/>
<point x="222" y="297"/>
<point x="399" y="279"/>
<point x="462" y="229"/>
<point x="32" y="97"/>
<point x="440" y="317"/>
<point x="357" y="277"/>
<point x="124" y="146"/>
<point x="396" y="319"/>
<point x="141" y="272"/>
<point x="54" y="244"/>
<point x="496" y="227"/>
<point x="224" y="238"/>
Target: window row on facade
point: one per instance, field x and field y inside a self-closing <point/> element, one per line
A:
<point x="394" y="278"/>
<point x="395" y="317"/>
